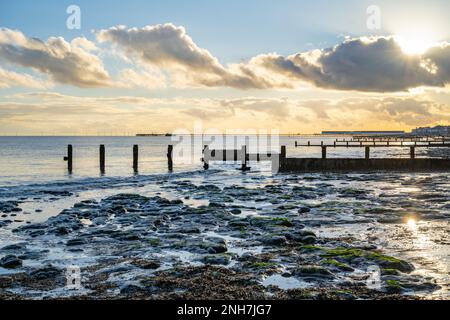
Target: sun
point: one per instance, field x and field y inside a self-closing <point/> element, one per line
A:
<point x="413" y="44"/>
<point x="416" y="42"/>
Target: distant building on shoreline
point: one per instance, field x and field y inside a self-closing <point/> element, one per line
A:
<point x="371" y="133"/>
<point x="432" y="131"/>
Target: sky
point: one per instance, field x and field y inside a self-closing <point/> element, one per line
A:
<point x="158" y="66"/>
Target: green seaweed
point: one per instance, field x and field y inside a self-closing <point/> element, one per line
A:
<point x="262" y="265"/>
<point x="350" y="254"/>
<point x="313" y="269"/>
<point x="285" y="222"/>
<point x="345" y="253"/>
<point x="337" y="264"/>
<point x="154" y="242"/>
<point x="393" y="286"/>
<point x="310" y="247"/>
<point x="388" y="271"/>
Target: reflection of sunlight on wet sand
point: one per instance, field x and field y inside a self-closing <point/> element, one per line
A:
<point x="412" y="224"/>
<point x="418" y="240"/>
<point x="432" y="257"/>
<point x="408" y="189"/>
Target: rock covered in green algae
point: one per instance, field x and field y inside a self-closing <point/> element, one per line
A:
<point x="313" y="271"/>
<point x="217" y="259"/>
<point x="353" y="254"/>
<point x="337" y="264"/>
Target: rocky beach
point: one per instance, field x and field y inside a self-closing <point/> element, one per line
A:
<point x="222" y="234"/>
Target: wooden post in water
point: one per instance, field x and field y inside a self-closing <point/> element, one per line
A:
<point x="169" y="157"/>
<point x="102" y="158"/>
<point x="309" y="143"/>
<point x="205" y="162"/>
<point x="412" y="152"/>
<point x="367" y="152"/>
<point x="244" y="159"/>
<point x="324" y="152"/>
<point x="296" y="144"/>
<point x="283" y="152"/>
<point x="135" y="158"/>
<point x="68" y="158"/>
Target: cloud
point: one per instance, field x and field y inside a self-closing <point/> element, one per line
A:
<point x="170" y="47"/>
<point x="151" y="79"/>
<point x="165" y="55"/>
<point x="277" y="108"/>
<point x="375" y="64"/>
<point x="66" y="63"/>
<point x="10" y="79"/>
<point x="39" y="111"/>
<point x="398" y="111"/>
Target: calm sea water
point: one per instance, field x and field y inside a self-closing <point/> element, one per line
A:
<point x="25" y="160"/>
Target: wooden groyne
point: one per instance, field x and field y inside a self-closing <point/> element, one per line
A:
<point x="102" y="158"/>
<point x="324" y="164"/>
<point x="363" y="165"/>
<point x="282" y="163"/>
<point x="411" y="164"/>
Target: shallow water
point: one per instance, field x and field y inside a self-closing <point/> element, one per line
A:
<point x="40" y="159"/>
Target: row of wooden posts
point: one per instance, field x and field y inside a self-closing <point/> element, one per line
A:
<point x="412" y="152"/>
<point x="207" y="156"/>
<point x="244" y="157"/>
<point x="324" y="147"/>
<point x="388" y="144"/>
<point x="69" y="158"/>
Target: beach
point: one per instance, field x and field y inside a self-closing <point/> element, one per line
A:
<point x="217" y="233"/>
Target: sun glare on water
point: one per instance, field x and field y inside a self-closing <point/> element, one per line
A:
<point x="411" y="223"/>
